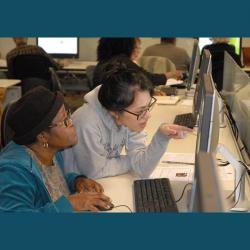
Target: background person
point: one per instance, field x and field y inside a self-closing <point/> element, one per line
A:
<point x="167" y="48"/>
<point x="128" y="47"/>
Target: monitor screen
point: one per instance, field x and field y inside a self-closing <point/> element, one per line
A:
<point x="194" y="65"/>
<point x="60" y="47"/>
<point x="206" y="185"/>
<point x="205" y="68"/>
<point x="207" y="135"/>
<point x="236" y="41"/>
<point x="208" y="124"/>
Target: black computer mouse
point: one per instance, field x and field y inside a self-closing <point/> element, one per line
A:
<point x="111" y="206"/>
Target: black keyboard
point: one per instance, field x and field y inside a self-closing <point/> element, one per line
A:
<point x="154" y="195"/>
<point x="186" y="120"/>
<point x="170" y="91"/>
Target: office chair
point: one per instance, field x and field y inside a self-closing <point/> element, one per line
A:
<point x="26" y="66"/>
<point x="56" y="83"/>
<point x="90" y="75"/>
<point x="156" y="64"/>
<point x="6" y="132"/>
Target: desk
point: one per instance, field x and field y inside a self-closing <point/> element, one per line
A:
<point x="120" y="188"/>
<point x="79" y="65"/>
<point x="9" y="92"/>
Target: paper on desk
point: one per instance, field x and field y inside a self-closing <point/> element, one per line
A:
<point x="176" y="167"/>
<point x="178" y="158"/>
<point x="187" y="102"/>
<point x="174" y="173"/>
<point x="172" y="81"/>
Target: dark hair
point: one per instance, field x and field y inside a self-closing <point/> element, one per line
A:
<point x="110" y="47"/>
<point x="168" y="39"/>
<point x="33" y="113"/>
<point x="120" y="82"/>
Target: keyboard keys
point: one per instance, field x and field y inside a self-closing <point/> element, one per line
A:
<point x="186" y="120"/>
<point x="154" y="195"/>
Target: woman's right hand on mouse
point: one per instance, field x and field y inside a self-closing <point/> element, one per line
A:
<point x="89" y="201"/>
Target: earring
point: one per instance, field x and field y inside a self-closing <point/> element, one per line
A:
<point x="45" y="145"/>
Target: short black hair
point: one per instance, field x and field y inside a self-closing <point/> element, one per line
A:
<point x="168" y="40"/>
<point x="120" y="82"/>
<point x="110" y="47"/>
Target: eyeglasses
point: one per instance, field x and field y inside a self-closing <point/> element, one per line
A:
<point x="142" y="114"/>
<point x="65" y="123"/>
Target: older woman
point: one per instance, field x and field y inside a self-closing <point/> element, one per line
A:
<point x="31" y="166"/>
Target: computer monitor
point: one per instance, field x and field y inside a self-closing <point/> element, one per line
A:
<point x="207" y="137"/>
<point x="208" y="124"/>
<point x="236" y="41"/>
<point x="193" y="68"/>
<point x="60" y="47"/>
<point x="205" y="68"/>
<point x="206" y="185"/>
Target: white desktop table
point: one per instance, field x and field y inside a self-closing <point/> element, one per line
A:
<point x="5" y="83"/>
<point x="120" y="188"/>
<point x="79" y="65"/>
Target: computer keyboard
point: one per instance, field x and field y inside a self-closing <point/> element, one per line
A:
<point x="186" y="120"/>
<point x="154" y="195"/>
<point x="170" y="91"/>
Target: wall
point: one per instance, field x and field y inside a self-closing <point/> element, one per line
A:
<point x="88" y="46"/>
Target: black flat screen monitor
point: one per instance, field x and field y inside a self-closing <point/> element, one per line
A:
<point x="60" y="47"/>
<point x="208" y="124"/>
<point x="194" y="65"/>
<point x="205" y="68"/>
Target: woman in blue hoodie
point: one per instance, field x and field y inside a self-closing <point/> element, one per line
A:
<point x="31" y="166"/>
<point x="114" y="117"/>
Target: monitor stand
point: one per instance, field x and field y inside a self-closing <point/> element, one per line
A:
<point x="240" y="200"/>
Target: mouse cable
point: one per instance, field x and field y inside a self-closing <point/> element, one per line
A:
<point x="235" y="188"/>
<point x="183" y="191"/>
<point x="130" y="210"/>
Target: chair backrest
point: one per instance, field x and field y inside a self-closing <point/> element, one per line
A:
<point x="56" y="83"/>
<point x="90" y="75"/>
<point x="156" y="64"/>
<point x="6" y="132"/>
<point x="26" y="66"/>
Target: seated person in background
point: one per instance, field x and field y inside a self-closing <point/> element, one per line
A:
<point x="167" y="48"/>
<point x="217" y="49"/>
<point x="31" y="166"/>
<point x="22" y="48"/>
<point x="111" y="47"/>
<point x="114" y="117"/>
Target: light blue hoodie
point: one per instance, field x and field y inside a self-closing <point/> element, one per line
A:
<point x="100" y="142"/>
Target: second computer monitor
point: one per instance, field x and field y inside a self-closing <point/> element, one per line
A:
<point x="205" y="68"/>
<point x="208" y="125"/>
<point x="194" y="65"/>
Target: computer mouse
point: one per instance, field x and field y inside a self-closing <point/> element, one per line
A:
<point x="111" y="206"/>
